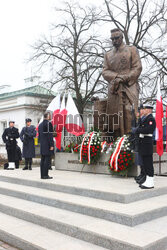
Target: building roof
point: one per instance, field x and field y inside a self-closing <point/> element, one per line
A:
<point x="31" y="91"/>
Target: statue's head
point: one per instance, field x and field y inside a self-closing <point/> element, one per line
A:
<point x="116" y="37"/>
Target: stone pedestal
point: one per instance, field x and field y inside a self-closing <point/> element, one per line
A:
<point x="70" y="162"/>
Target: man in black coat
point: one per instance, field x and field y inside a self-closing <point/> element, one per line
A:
<point x="45" y="130"/>
<point x="9" y="137"/>
<point x="145" y="131"/>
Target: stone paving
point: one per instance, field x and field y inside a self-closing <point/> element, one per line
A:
<point x="4" y="246"/>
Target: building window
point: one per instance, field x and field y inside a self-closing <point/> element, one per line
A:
<point x="3" y="125"/>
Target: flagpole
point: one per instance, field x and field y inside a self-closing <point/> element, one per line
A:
<point x="159" y="165"/>
<point x="166" y="128"/>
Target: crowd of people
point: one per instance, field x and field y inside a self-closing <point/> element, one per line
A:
<point x="27" y="135"/>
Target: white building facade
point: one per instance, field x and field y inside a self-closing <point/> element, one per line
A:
<point x="18" y="105"/>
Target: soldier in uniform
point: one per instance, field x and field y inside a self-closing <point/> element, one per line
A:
<point x="145" y="131"/>
<point x="27" y="136"/>
<point x="138" y="157"/>
<point x="45" y="130"/>
<point x="9" y="137"/>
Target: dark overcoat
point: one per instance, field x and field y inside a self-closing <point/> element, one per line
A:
<point x="145" y="130"/>
<point x="27" y="137"/>
<point x="45" y="130"/>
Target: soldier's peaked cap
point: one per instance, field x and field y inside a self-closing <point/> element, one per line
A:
<point x="28" y="120"/>
<point x="148" y="106"/>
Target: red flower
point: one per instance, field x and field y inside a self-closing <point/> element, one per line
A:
<point x="130" y="159"/>
<point x="126" y="160"/>
<point x="126" y="164"/>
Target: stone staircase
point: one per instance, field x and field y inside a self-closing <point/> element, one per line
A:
<point x="81" y="211"/>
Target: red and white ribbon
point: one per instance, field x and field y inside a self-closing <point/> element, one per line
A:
<point x="82" y="147"/>
<point x="114" y="158"/>
<point x="89" y="144"/>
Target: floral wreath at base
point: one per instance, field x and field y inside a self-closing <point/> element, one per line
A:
<point x="90" y="149"/>
<point x="121" y="158"/>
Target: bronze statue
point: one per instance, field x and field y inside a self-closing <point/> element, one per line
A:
<point x="122" y="67"/>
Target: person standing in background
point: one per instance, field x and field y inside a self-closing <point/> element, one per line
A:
<point x="45" y="130"/>
<point x="9" y="137"/>
<point x="27" y="136"/>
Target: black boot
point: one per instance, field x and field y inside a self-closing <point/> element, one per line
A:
<point x="141" y="180"/>
<point x="26" y="164"/>
<point x="137" y="178"/>
<point x="30" y="164"/>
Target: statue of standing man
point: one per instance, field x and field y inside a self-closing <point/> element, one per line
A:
<point x="122" y="67"/>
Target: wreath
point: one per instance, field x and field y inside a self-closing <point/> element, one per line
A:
<point x="122" y="157"/>
<point x="90" y="149"/>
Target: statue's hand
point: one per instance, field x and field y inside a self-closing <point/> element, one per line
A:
<point x="123" y="78"/>
<point x="115" y="86"/>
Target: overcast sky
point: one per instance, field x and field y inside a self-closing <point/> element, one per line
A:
<point x="21" y="23"/>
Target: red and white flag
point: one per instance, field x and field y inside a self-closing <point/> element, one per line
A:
<point x="55" y="108"/>
<point x="73" y="124"/>
<point x="60" y="122"/>
<point x="158" y="118"/>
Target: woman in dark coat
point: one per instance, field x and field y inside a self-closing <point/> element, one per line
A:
<point x="27" y="137"/>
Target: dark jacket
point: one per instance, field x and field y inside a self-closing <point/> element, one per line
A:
<point x="27" y="137"/>
<point x="45" y="130"/>
<point x="146" y="128"/>
<point x="9" y="137"/>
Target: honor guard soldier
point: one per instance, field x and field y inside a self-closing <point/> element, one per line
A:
<point x="9" y="137"/>
<point x="138" y="158"/>
<point x="145" y="131"/>
<point x="27" y="136"/>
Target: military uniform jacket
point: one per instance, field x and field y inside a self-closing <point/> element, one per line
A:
<point x="9" y="137"/>
<point x="145" y="130"/>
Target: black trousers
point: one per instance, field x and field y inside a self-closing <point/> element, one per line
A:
<point x="45" y="164"/>
<point x="17" y="163"/>
<point x="28" y="162"/>
<point x="148" y="165"/>
<point x="11" y="152"/>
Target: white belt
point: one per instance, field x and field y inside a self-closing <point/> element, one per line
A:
<point x="143" y="135"/>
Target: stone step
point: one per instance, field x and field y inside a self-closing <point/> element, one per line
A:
<point x="123" y="190"/>
<point x="96" y="231"/>
<point x="29" y="236"/>
<point x="127" y="214"/>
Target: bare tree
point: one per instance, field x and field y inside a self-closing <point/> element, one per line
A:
<point x="144" y="24"/>
<point x="74" y="54"/>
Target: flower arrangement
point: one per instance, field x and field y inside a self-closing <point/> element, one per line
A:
<point x="90" y="148"/>
<point x="75" y="148"/>
<point x="72" y="147"/>
<point x="121" y="158"/>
